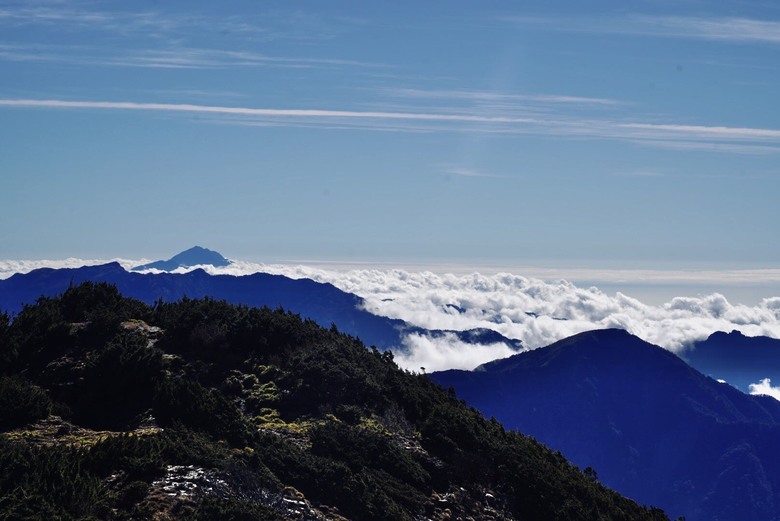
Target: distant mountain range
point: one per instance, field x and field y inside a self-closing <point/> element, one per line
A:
<point x="321" y="302"/>
<point x="738" y="359"/>
<point x="650" y="426"/>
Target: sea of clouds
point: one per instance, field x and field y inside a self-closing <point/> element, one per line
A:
<point x="536" y="311"/>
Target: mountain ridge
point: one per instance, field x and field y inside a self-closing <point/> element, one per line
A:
<point x="653" y="427"/>
<point x="201" y="410"/>
<point x="320" y="301"/>
<point x="738" y="359"/>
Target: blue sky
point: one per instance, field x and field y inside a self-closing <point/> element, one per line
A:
<point x="592" y="134"/>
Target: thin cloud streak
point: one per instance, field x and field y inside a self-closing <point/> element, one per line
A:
<point x="467" y="172"/>
<point x="639" y="132"/>
<point x="724" y="29"/>
<point x="703" y="132"/>
<point x="731" y="29"/>
<point x="164" y="26"/>
<point x="151" y="23"/>
<point x="174" y="58"/>
<point x="641" y="173"/>
<point x="709" y="146"/>
<point x="245" y="111"/>
<point x="497" y="96"/>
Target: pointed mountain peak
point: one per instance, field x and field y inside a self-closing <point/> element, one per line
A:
<point x="194" y="256"/>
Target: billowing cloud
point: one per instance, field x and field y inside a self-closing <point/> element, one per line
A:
<point x="10" y="267"/>
<point x="424" y="353"/>
<point x="533" y="310"/>
<point x="764" y="387"/>
<point x="540" y="312"/>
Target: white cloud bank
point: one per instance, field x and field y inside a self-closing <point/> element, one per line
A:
<point x="11" y="267"/>
<point x="426" y="354"/>
<point x="764" y="387"/>
<point x="536" y="311"/>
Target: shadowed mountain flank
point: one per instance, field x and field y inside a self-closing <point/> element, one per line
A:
<point x="651" y="426"/>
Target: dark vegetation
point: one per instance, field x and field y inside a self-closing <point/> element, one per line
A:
<point x="112" y="409"/>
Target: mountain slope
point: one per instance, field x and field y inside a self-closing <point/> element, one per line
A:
<point x="202" y="410"/>
<point x="652" y="427"/>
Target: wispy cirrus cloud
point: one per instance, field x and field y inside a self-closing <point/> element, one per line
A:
<point x="210" y="58"/>
<point x="30" y="13"/>
<point x="469" y="172"/>
<point x="726" y="29"/>
<point x="730" y="29"/>
<point x="437" y="121"/>
<point x="261" y="112"/>
<point x="160" y="24"/>
<point x="641" y="173"/>
<point x="170" y="58"/>
<point x="70" y="18"/>
<point x="473" y="95"/>
<point x="700" y="131"/>
<point x="709" y="146"/>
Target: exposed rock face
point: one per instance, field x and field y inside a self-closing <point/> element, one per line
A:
<point x="184" y="486"/>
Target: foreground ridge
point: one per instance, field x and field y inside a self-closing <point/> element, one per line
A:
<point x="198" y="409"/>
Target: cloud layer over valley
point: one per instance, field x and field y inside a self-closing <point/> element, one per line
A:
<point x="536" y="311"/>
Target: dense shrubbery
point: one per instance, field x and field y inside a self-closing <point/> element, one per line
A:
<point x="21" y="402"/>
<point x="48" y="483"/>
<point x="118" y="383"/>
<point x="337" y="421"/>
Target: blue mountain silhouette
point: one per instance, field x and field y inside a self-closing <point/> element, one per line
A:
<point x="323" y="303"/>
<point x="738" y="359"/>
<point x="195" y="256"/>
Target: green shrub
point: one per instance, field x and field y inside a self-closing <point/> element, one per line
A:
<point x="187" y="402"/>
